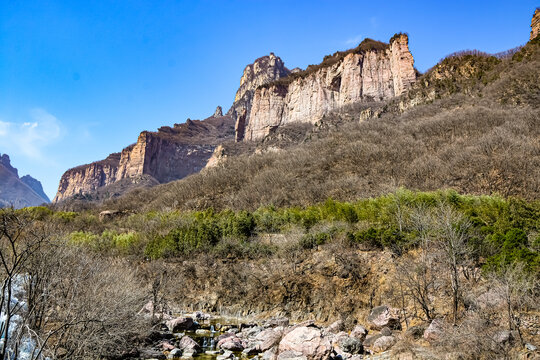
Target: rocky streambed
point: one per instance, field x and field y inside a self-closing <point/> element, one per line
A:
<point x="204" y="336"/>
<point x="207" y="337"/>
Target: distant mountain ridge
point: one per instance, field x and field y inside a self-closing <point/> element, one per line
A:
<point x="18" y="192"/>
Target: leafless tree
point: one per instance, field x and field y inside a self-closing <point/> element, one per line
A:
<point x="18" y="243"/>
<point x="517" y="287"/>
<point x="452" y="242"/>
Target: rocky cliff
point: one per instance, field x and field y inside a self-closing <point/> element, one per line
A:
<point x="169" y="154"/>
<point x="263" y="70"/>
<point x="18" y="192"/>
<point x="535" y="24"/>
<point x="373" y="71"/>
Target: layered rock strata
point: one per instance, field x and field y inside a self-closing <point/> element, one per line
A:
<point x="373" y="71"/>
<point x="535" y="24"/>
<point x="169" y="154"/>
<point x="263" y="70"/>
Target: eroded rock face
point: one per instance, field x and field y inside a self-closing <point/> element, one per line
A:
<point x="166" y="155"/>
<point x="364" y="75"/>
<point x="535" y="24"/>
<point x="263" y="70"/>
<point x="87" y="178"/>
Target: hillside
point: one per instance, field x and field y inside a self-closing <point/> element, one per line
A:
<point x="470" y="124"/>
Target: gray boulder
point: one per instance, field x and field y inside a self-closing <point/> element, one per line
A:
<point x="351" y="345"/>
<point x="382" y="316"/>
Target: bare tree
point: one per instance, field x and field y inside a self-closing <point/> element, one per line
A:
<point x="452" y="242"/>
<point x="18" y="243"/>
<point x="417" y="273"/>
<point x="516" y="286"/>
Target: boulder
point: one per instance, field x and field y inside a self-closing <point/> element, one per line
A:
<point x="231" y="343"/>
<point x="308" y="341"/>
<point x="180" y="324"/>
<point x="281" y="321"/>
<point x="291" y="355"/>
<point x="188" y="345"/>
<point x="379" y="343"/>
<point x="370" y="340"/>
<point x="359" y="332"/>
<point x="175" y="353"/>
<point x="268" y="339"/>
<point x="386" y="331"/>
<point x="151" y="354"/>
<point x="415" y="332"/>
<point x="335" y="327"/>
<point x="270" y="354"/>
<point x="224" y="336"/>
<point x="382" y="316"/>
<point x="167" y="346"/>
<point x="351" y="345"/>
<point x="434" y="330"/>
<point x="226" y="355"/>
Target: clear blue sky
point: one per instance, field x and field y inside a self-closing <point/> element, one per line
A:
<point x="81" y="79"/>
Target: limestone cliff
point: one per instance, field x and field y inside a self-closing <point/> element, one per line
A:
<point x="18" y="192"/>
<point x="169" y="154"/>
<point x="535" y="24"/>
<point x="263" y="70"/>
<point x="373" y="71"/>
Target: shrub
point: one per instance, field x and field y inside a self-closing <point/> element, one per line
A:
<point x="310" y="241"/>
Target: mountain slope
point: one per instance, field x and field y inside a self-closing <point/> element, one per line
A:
<point x="470" y="123"/>
<point x="18" y="192"/>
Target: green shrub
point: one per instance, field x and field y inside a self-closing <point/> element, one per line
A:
<point x="512" y="247"/>
<point x="65" y="216"/>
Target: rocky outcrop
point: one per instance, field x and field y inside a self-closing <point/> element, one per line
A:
<point x="263" y="70"/>
<point x="18" y="192"/>
<point x="535" y="24"/>
<point x="169" y="154"/>
<point x="218" y="112"/>
<point x="373" y="71"/>
<point x="86" y="178"/>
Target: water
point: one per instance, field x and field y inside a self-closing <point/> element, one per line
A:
<point x="27" y="345"/>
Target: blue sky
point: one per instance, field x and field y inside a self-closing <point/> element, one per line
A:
<point x="81" y="79"/>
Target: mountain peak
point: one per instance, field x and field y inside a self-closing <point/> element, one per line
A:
<point x="18" y="192"/>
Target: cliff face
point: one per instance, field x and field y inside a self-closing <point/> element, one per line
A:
<point x="535" y="24"/>
<point x="263" y="70"/>
<point x="87" y="178"/>
<point x="373" y="71"/>
<point x="18" y="192"/>
<point x="166" y="155"/>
